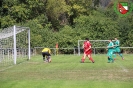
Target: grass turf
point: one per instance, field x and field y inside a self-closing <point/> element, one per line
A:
<point x="66" y="71"/>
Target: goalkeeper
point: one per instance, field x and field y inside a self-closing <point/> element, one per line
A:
<point x="46" y="53"/>
<point x="117" y="48"/>
<point x="110" y="52"/>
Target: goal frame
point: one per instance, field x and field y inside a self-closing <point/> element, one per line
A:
<point x="14" y="35"/>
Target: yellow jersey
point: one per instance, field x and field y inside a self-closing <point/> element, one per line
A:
<point x="46" y="50"/>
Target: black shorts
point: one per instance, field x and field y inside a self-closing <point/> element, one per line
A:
<point x="45" y="54"/>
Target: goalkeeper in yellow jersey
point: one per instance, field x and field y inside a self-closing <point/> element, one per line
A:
<point x="46" y="53"/>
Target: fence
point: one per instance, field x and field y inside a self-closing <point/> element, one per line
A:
<point x="74" y="51"/>
<point x="37" y="50"/>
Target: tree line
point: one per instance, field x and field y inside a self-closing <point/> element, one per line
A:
<point x="67" y="21"/>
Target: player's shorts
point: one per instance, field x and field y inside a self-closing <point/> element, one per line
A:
<point x="110" y="54"/>
<point x="88" y="52"/>
<point x="117" y="50"/>
<point x="46" y="53"/>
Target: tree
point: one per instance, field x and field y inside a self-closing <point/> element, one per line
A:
<point x="36" y="7"/>
<point x="77" y="8"/>
<point x="55" y="10"/>
<point x="96" y="26"/>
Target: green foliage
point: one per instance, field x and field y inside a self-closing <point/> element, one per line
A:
<point x="36" y="7"/>
<point x="77" y="8"/>
<point x="19" y="13"/>
<point x="54" y="10"/>
<point x="96" y="25"/>
<point x="7" y="21"/>
<point x="66" y="21"/>
<point x="67" y="37"/>
<point x="40" y="28"/>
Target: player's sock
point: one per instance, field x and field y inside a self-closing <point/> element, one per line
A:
<point x="121" y="55"/>
<point x="43" y="58"/>
<point x="91" y="59"/>
<point x="114" y="55"/>
<point x="112" y="60"/>
<point x="82" y="60"/>
<point x="108" y="60"/>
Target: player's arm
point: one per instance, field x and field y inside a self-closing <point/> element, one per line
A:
<point x="43" y="50"/>
<point x="49" y="51"/>
<point x="83" y="46"/>
<point x="117" y="44"/>
<point x="110" y="46"/>
<point x="88" y="48"/>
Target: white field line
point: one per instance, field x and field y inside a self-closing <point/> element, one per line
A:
<point x="123" y="68"/>
<point x="6" y="68"/>
<point x="10" y="66"/>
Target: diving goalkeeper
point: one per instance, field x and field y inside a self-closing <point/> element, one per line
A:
<point x="46" y="53"/>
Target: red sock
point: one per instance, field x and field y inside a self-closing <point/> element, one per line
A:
<point x="83" y="59"/>
<point x="91" y="59"/>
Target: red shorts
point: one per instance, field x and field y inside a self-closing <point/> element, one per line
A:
<point x="88" y="52"/>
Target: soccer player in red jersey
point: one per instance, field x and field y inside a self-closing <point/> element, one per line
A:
<point x="87" y="51"/>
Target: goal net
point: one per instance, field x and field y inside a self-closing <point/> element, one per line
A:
<point x="98" y="46"/>
<point x="14" y="45"/>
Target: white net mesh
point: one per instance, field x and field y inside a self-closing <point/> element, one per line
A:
<point x="7" y="48"/>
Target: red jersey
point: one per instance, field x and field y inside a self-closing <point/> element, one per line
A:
<point x="87" y="45"/>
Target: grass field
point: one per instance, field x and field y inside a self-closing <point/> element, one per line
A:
<point x="65" y="71"/>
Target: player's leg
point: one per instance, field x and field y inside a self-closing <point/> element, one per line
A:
<point x="43" y="55"/>
<point x="108" y="54"/>
<point x="90" y="58"/>
<point x="83" y="58"/>
<point x="48" y="57"/>
<point x="114" y="54"/>
<point x="108" y="59"/>
<point x="121" y="55"/>
<point x="111" y="56"/>
<point x="112" y="59"/>
<point x="56" y="51"/>
<point x="119" y="52"/>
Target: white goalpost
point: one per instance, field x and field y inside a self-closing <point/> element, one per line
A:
<point x="101" y="44"/>
<point x="14" y="45"/>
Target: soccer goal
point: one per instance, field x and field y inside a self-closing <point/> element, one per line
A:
<point x="99" y="46"/>
<point x="14" y="45"/>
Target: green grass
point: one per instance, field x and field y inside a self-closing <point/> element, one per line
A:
<point x="65" y="71"/>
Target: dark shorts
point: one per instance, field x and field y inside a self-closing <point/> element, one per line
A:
<point x="45" y="54"/>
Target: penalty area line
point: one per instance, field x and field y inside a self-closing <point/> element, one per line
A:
<point x="121" y="66"/>
<point x="6" y="68"/>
